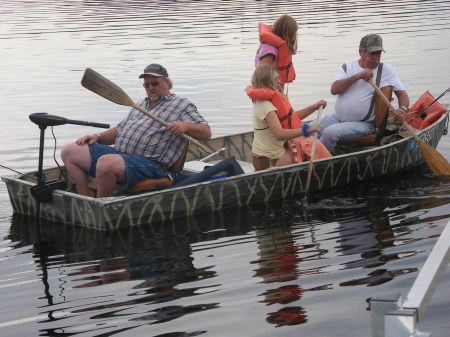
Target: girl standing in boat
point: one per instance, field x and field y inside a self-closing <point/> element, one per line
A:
<point x="278" y="44"/>
<point x="280" y="138"/>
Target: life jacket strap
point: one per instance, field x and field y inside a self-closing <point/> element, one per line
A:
<point x="374" y="97"/>
<point x="287" y="116"/>
<point x="285" y="67"/>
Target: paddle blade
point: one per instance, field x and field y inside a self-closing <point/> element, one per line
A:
<point x="437" y="163"/>
<point x="102" y="86"/>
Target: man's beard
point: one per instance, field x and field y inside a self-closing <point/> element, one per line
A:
<point x="155" y="97"/>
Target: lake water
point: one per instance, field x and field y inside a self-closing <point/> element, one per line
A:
<point x="268" y="270"/>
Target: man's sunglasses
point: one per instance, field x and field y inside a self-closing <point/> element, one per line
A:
<point x="153" y="84"/>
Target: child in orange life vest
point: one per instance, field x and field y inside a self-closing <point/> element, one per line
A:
<point x="278" y="44"/>
<point x="277" y="128"/>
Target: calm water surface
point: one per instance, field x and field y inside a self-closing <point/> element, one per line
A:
<point x="269" y="270"/>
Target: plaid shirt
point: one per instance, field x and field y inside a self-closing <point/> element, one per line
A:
<point x="141" y="135"/>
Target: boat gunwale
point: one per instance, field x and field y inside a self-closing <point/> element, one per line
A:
<point x="104" y="202"/>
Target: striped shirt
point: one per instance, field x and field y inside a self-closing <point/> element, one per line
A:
<point x="141" y="135"/>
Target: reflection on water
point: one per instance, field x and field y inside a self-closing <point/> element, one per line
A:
<point x="281" y="269"/>
<point x="267" y="259"/>
<point x="281" y="258"/>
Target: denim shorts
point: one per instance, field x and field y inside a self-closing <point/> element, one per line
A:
<point x="137" y="167"/>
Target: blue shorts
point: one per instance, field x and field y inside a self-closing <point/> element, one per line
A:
<point x="138" y="167"/>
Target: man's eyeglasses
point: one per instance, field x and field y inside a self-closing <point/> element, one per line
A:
<point x="153" y="84"/>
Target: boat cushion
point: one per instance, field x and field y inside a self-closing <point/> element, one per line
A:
<point x="151" y="184"/>
<point x="158" y="183"/>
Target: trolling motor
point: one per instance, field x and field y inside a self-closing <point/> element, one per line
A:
<point x="42" y="192"/>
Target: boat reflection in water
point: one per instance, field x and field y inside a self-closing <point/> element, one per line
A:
<point x="287" y="263"/>
<point x="387" y="227"/>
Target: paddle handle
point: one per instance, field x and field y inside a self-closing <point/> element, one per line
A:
<point x="159" y="120"/>
<point x="313" y="148"/>
<point x="393" y="109"/>
<point x="313" y="151"/>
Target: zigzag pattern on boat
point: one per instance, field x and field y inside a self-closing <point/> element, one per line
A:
<point x="234" y="191"/>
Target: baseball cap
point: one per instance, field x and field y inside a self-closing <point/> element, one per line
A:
<point x="372" y="43"/>
<point x="154" y="69"/>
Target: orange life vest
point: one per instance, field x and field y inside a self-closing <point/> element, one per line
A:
<point x="299" y="148"/>
<point x="433" y="113"/>
<point x="286" y="115"/>
<point x="284" y="62"/>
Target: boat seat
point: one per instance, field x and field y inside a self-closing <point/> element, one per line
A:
<point x="381" y="117"/>
<point x="158" y="183"/>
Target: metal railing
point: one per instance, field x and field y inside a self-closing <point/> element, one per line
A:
<point x="392" y="317"/>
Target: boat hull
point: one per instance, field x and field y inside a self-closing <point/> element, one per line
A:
<point x="251" y="188"/>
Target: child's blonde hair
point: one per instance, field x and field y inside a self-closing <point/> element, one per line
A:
<point x="286" y="27"/>
<point x="264" y="77"/>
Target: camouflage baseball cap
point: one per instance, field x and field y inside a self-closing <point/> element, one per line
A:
<point x="371" y="43"/>
<point x="154" y="69"/>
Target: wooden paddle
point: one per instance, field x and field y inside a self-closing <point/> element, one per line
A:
<point x="437" y="163"/>
<point x="313" y="151"/>
<point x="107" y="89"/>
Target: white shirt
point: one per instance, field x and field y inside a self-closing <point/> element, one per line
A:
<point x="354" y="104"/>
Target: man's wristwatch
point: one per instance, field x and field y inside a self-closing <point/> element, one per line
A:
<point x="404" y="108"/>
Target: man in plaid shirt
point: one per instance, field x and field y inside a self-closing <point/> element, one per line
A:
<point x="143" y="148"/>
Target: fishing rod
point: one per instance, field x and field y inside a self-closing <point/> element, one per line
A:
<point x="422" y="113"/>
<point x="25" y="175"/>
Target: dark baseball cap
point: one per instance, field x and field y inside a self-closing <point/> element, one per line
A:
<point x="154" y="69"/>
<point x="372" y="43"/>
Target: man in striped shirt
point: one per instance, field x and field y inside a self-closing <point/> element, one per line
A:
<point x="143" y="148"/>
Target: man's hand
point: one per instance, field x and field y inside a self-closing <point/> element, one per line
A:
<point x="341" y="86"/>
<point x="89" y="139"/>
<point x="108" y="137"/>
<point x="366" y="74"/>
<point x="177" y="128"/>
<point x="400" y="115"/>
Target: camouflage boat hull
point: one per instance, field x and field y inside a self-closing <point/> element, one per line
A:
<point x="241" y="190"/>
